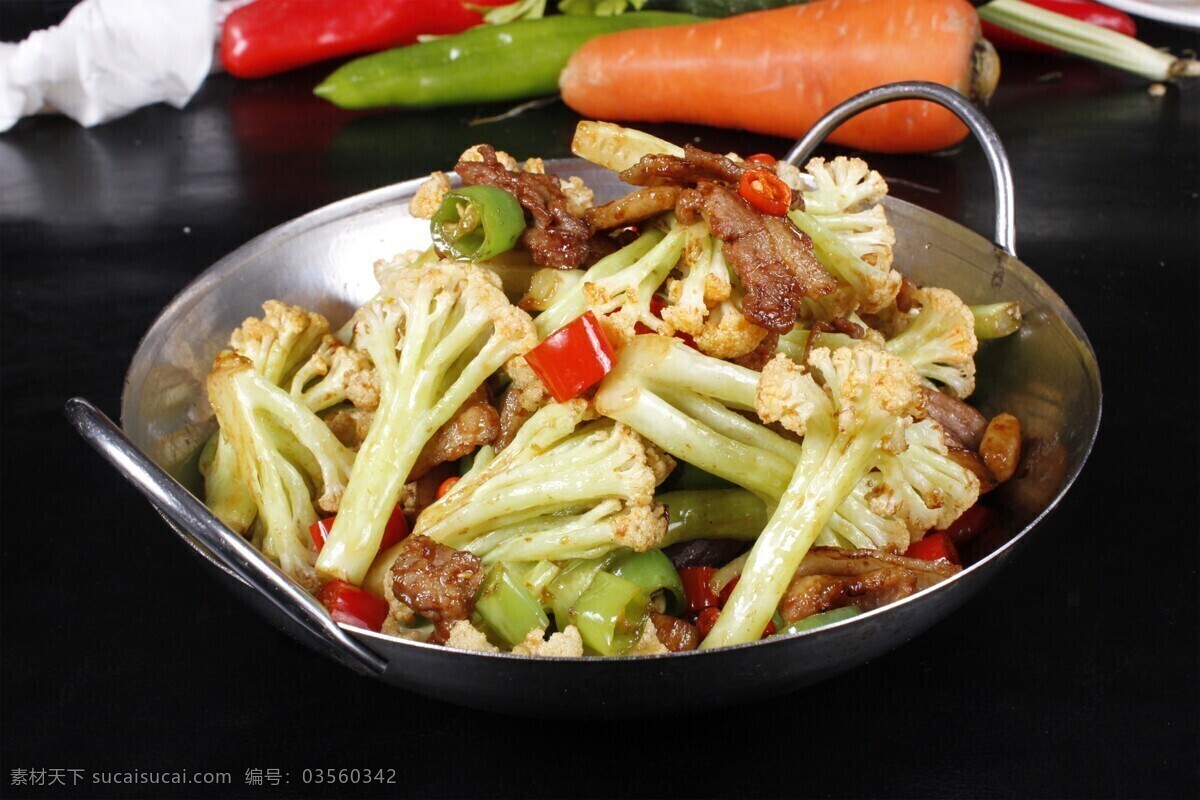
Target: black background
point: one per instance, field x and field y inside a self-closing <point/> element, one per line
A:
<point x="1073" y="674"/>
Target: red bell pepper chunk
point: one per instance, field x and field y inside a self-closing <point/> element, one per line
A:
<point x="573" y="358"/>
<point x="697" y="588"/>
<point x="353" y="606"/>
<point x="935" y="546"/>
<point x="765" y="192"/>
<point x="1084" y="10"/>
<point x="395" y="530"/>
<point x="657" y="304"/>
<point x="728" y="590"/>
<point x="973" y="521"/>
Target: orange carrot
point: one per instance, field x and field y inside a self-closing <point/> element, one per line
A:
<point x="778" y="71"/>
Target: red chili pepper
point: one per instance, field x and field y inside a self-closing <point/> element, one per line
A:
<point x="935" y="546"/>
<point x="1084" y="10"/>
<point x="271" y="36"/>
<point x="349" y="604"/>
<point x="973" y="521"/>
<point x="705" y="621"/>
<point x="762" y="158"/>
<point x="573" y="358"/>
<point x="697" y="588"/>
<point x="765" y="192"/>
<point x="395" y="530"/>
<point x="445" y="486"/>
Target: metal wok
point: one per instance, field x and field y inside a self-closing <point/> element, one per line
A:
<point x="1046" y="375"/>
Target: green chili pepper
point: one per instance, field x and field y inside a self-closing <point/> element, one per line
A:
<point x="822" y="619"/>
<point x="572" y="582"/>
<point x="476" y="223"/>
<point x="515" y="61"/>
<point x="652" y="571"/>
<point x="507" y="607"/>
<point x="610" y="615"/>
<point x="996" y="320"/>
<point x="713" y="514"/>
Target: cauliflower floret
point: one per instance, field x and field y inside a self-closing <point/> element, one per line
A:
<point x="567" y="643"/>
<point x="727" y="333"/>
<point x="784" y="395"/>
<point x="579" y="197"/>
<point x="281" y="340"/>
<point x="938" y="339"/>
<point x="641" y="527"/>
<point x="842" y="185"/>
<point x="465" y="636"/>
<point x="429" y="196"/>
<point x="321" y="381"/>
<point x="472" y="154"/>
<point x="385" y="266"/>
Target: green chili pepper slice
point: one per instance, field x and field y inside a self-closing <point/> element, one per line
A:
<point x="476" y="223"/>
<point x="651" y="571"/>
<point x="610" y="615"/>
<point x="819" y="620"/>
<point x="507" y="607"/>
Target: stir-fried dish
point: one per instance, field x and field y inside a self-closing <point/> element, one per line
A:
<point x="704" y="413"/>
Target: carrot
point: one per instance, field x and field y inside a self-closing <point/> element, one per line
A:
<point x="778" y="71"/>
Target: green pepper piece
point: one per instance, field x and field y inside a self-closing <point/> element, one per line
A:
<point x="996" y="320"/>
<point x="515" y="61"/>
<point x="611" y="614"/>
<point x="572" y="582"/>
<point x="476" y="223"/>
<point x="507" y="607"/>
<point x="713" y="514"/>
<point x="652" y="571"/>
<point x="820" y="620"/>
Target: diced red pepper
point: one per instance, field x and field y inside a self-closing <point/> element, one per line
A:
<point x="395" y="530"/>
<point x="573" y="358"/>
<point x="973" y="521"/>
<point x="697" y="587"/>
<point x="1085" y="10"/>
<point x="705" y="621"/>
<point x="765" y="192"/>
<point x="935" y="546"/>
<point x="769" y="630"/>
<point x="762" y="158"/>
<point x="353" y="606"/>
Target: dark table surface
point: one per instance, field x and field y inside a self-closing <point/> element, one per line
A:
<point x="1073" y="674"/>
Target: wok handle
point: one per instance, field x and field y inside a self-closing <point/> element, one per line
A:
<point x="973" y="118"/>
<point x="311" y="623"/>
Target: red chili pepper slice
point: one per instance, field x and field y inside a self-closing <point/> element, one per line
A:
<point x="657" y="304"/>
<point x="705" y="621"/>
<point x="728" y="590"/>
<point x="697" y="588"/>
<point x="762" y="158"/>
<point x="573" y="358"/>
<point x="395" y="530"/>
<point x="349" y="604"/>
<point x="1085" y="10"/>
<point x="765" y="192"/>
<point x="935" y="546"/>
<point x="445" y="486"/>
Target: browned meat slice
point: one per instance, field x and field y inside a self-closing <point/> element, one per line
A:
<point x="830" y="578"/>
<point x="694" y="166"/>
<point x="974" y="462"/>
<point x="772" y="258"/>
<point x="437" y="582"/>
<point x="906" y="298"/>
<point x="557" y="237"/>
<point x="961" y="422"/>
<point x="475" y="423"/>
<point x="676" y="635"/>
<point x="688" y="209"/>
<point x="632" y="208"/>
<point x="757" y="358"/>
